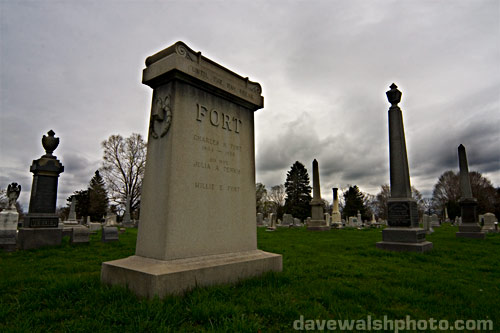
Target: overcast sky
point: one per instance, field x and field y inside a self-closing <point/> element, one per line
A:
<point x="75" y="67"/>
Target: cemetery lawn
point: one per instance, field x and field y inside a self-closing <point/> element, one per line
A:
<point x="338" y="274"/>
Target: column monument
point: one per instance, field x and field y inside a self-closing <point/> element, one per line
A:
<point x="468" y="204"/>
<point x="40" y="225"/>
<point x="403" y="233"/>
<point x="317" y="221"/>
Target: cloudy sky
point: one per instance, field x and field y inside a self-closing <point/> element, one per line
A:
<point x="75" y="67"/>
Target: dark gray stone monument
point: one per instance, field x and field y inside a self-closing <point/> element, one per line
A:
<point x="109" y="234"/>
<point x="317" y="221"/>
<point x="403" y="233"/>
<point x="468" y="205"/>
<point x="40" y="226"/>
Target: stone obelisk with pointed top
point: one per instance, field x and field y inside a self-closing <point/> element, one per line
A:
<point x="468" y="204"/>
<point x="317" y="221"/>
<point x="403" y="233"/>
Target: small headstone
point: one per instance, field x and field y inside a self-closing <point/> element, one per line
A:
<point x="328" y="219"/>
<point x="260" y="220"/>
<point x="94" y="227"/>
<point x="110" y="220"/>
<point x="109" y="234"/>
<point x="489" y="222"/>
<point x="287" y="220"/>
<point x="297" y="222"/>
<point x="435" y="221"/>
<point x="427" y="224"/>
<point x="79" y="236"/>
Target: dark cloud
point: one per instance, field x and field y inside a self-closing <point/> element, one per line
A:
<point x="324" y="68"/>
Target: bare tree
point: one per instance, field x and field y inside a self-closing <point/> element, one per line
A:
<point x="447" y="193"/>
<point x="124" y="161"/>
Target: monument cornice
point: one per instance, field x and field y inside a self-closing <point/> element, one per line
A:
<point x="182" y="63"/>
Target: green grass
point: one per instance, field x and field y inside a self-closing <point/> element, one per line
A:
<point x="337" y="274"/>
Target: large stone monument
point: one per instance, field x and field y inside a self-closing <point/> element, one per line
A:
<point x="40" y="225"/>
<point x="469" y="227"/>
<point x="317" y="221"/>
<point x="9" y="218"/>
<point x="198" y="196"/>
<point x="403" y="233"/>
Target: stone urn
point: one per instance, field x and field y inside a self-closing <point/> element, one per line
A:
<point x="50" y="143"/>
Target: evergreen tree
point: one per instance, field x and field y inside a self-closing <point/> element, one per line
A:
<point x="82" y="203"/>
<point x="98" y="197"/>
<point x="298" y="192"/>
<point x="354" y="201"/>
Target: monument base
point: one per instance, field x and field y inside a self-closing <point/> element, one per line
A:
<point x="317" y="225"/>
<point x="405" y="247"/>
<point x="33" y="238"/>
<point x="404" y="240"/>
<point x="8" y="240"/>
<point x="148" y="277"/>
<point x="470" y="230"/>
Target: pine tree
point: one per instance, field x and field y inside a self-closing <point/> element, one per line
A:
<point x="82" y="203"/>
<point x="354" y="201"/>
<point x="98" y="197"/>
<point x="298" y="192"/>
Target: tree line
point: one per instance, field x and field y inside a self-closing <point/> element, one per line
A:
<point x="124" y="159"/>
<point x="294" y="196"/>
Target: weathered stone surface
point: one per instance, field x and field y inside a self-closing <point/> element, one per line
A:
<point x="405" y="247"/>
<point x="260" y="220"/>
<point x="198" y="195"/>
<point x="489" y="222"/>
<point x="94" y="227"/>
<point x="149" y="277"/>
<point x="109" y="234"/>
<point x="32" y="238"/>
<point x="80" y="235"/>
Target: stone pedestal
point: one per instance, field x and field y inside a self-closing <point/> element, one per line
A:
<point x="8" y="229"/>
<point x="198" y="196"/>
<point x="404" y="239"/>
<point x="403" y="233"/>
<point x="33" y="238"/>
<point x="469" y="228"/>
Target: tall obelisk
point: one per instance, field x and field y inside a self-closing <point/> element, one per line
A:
<point x="317" y="221"/>
<point x="468" y="204"/>
<point x="403" y="233"/>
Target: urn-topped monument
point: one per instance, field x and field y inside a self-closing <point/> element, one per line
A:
<point x="9" y="218"/>
<point x="40" y="225"/>
<point x="403" y="233"/>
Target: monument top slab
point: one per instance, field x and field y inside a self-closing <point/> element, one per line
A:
<point x="178" y="61"/>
